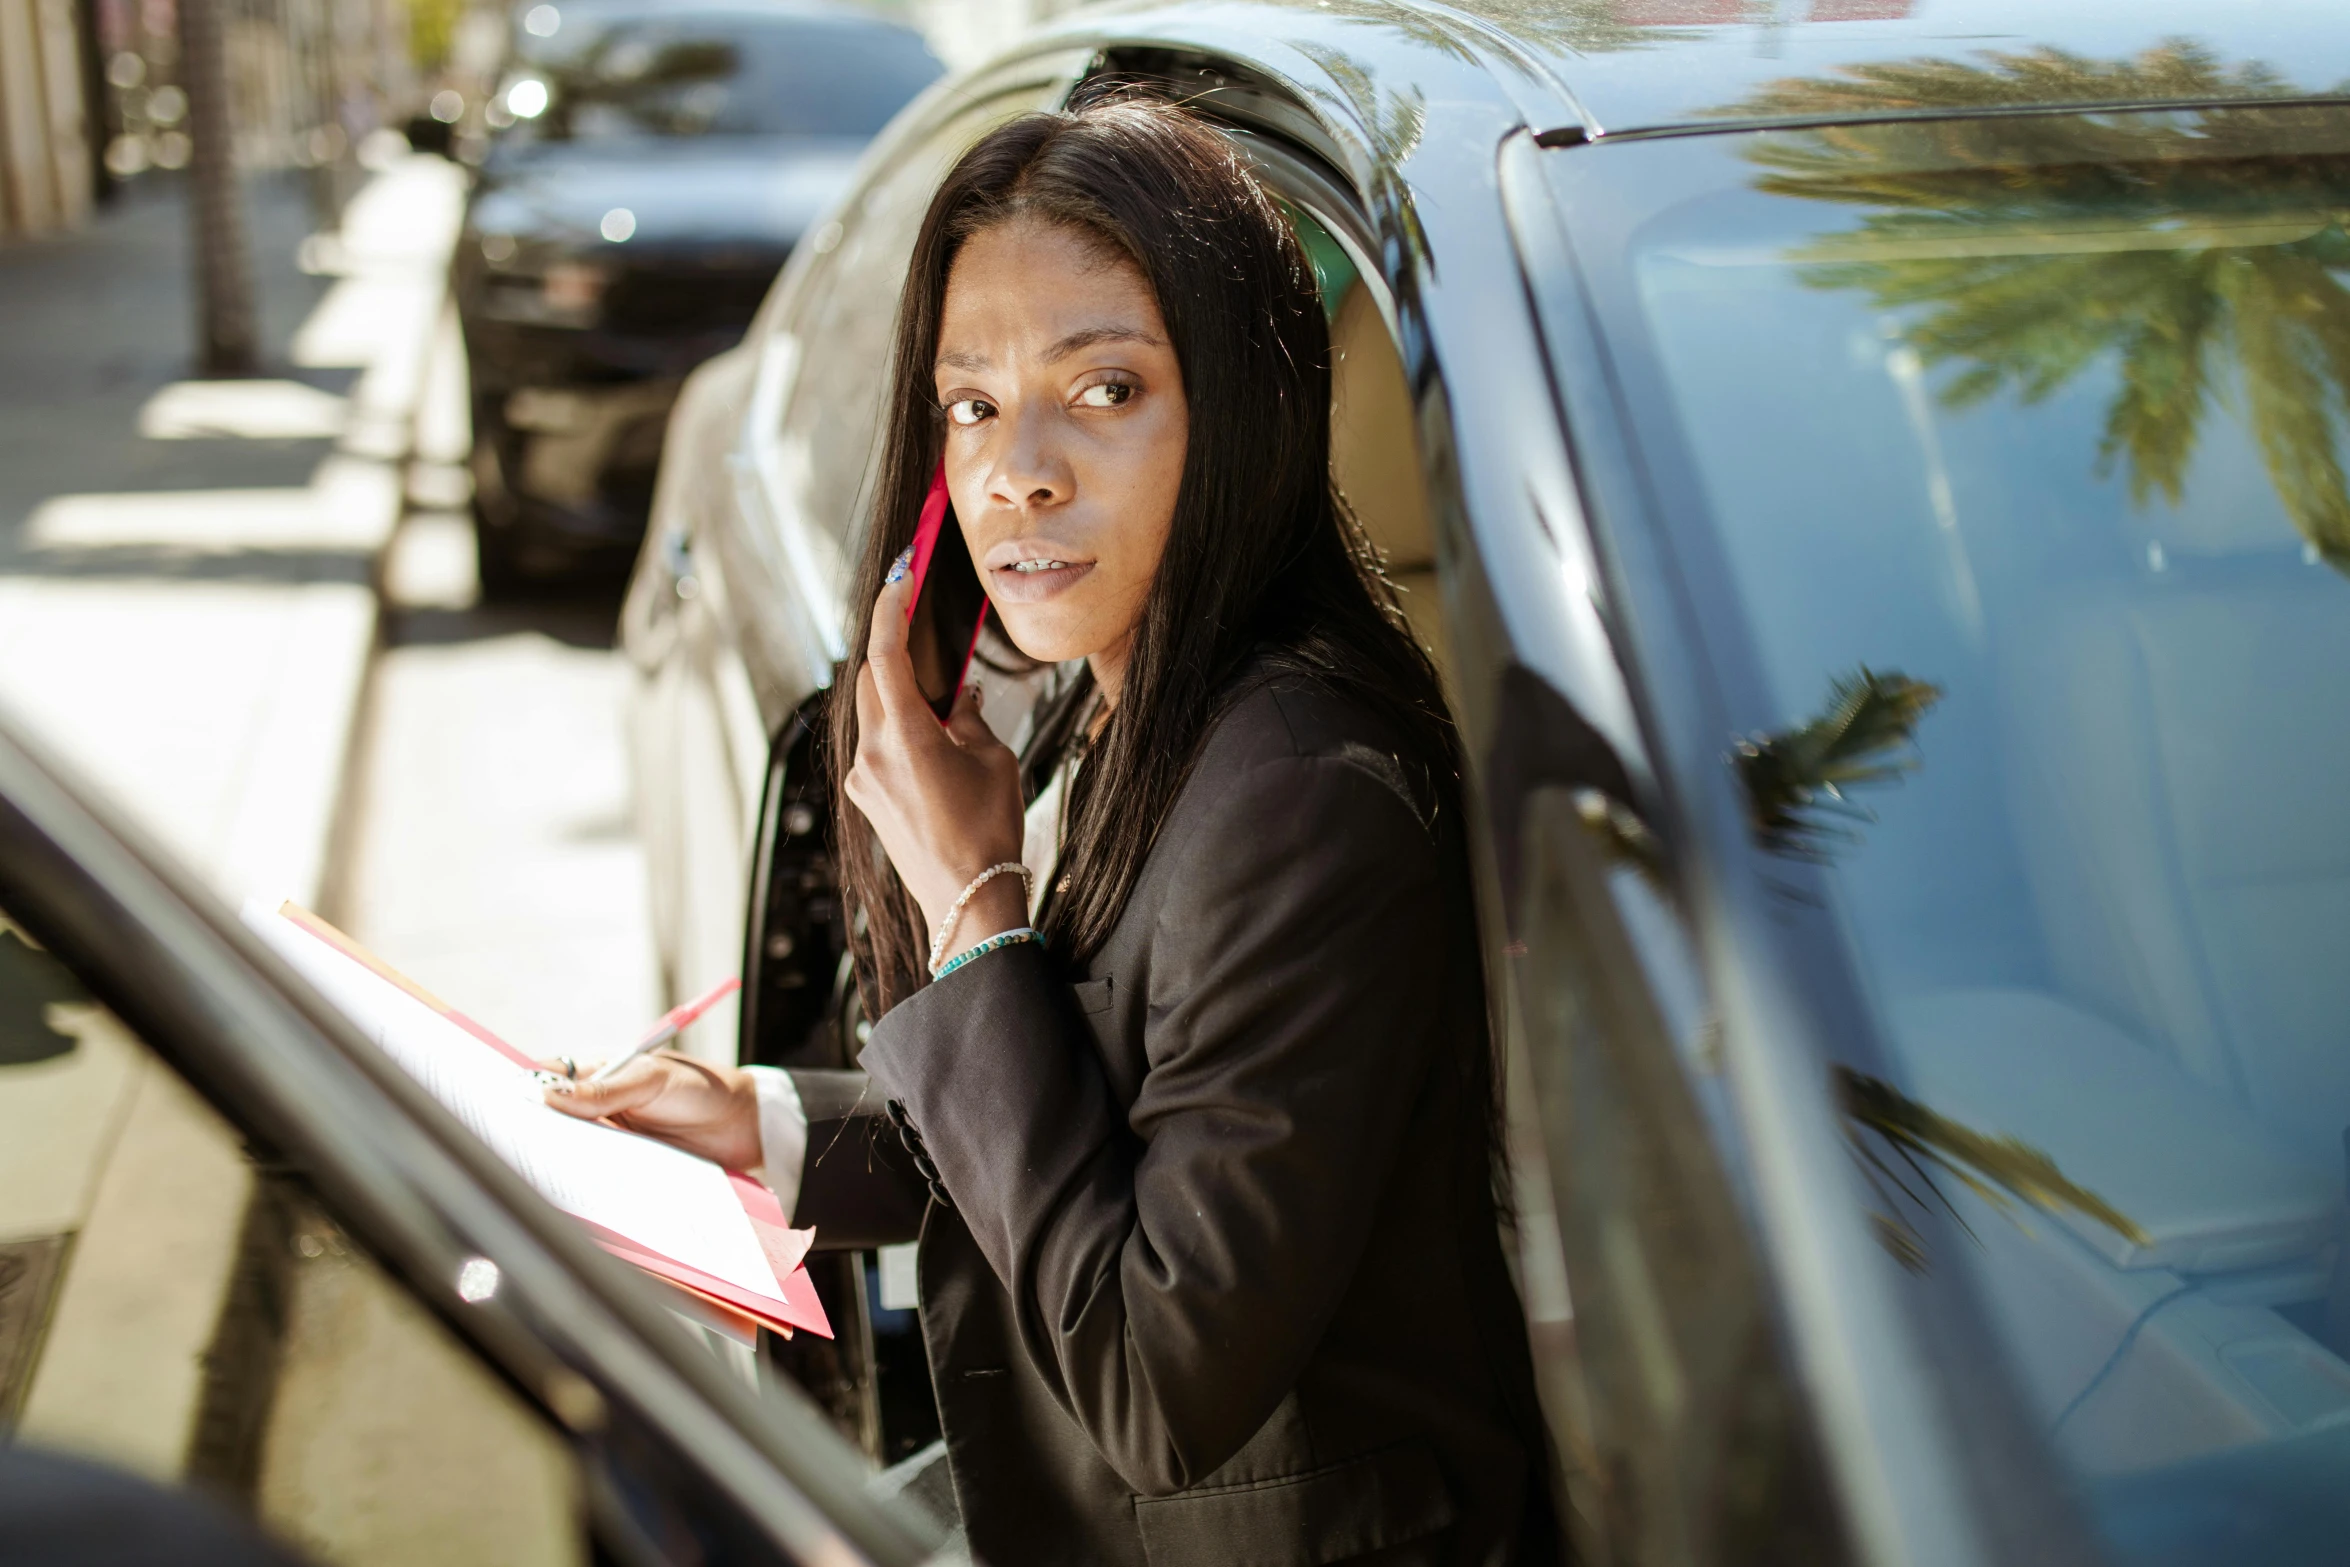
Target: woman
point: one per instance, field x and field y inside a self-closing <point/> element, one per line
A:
<point x="1201" y="1163"/>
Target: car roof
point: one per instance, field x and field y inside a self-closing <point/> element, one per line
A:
<point x="1627" y="67"/>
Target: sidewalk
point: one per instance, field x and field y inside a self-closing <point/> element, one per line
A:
<point x="187" y="614"/>
<point x="185" y="567"/>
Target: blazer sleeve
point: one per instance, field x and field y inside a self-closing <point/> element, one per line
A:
<point x="1173" y="1268"/>
<point x="858" y="1185"/>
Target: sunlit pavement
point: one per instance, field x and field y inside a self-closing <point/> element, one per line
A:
<point x="495" y="856"/>
<point x="185" y="600"/>
<point x="190" y="616"/>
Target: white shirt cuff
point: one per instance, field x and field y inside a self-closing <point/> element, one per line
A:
<point x="783" y="1133"/>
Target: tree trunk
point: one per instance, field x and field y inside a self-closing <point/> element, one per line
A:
<point x="224" y="272"/>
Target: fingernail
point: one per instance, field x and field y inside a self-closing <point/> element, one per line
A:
<point x="899" y="567"/>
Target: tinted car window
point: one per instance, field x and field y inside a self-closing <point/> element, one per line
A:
<point x="619" y="76"/>
<point x="2017" y="449"/>
<point x="170" y="1305"/>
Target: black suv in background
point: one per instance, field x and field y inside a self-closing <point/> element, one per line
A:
<point x="654" y="165"/>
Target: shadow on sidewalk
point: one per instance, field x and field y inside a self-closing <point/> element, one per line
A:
<point x="98" y="321"/>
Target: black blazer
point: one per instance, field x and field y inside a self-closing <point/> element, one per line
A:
<point x="1210" y="1266"/>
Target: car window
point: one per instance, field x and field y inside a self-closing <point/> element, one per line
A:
<point x="172" y="1305"/>
<point x="2017" y="448"/>
<point x="839" y="327"/>
<point x="601" y="75"/>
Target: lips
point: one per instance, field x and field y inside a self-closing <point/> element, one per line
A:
<point x="1034" y="581"/>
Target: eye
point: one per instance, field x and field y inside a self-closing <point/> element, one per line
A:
<point x="969" y="410"/>
<point x="1106" y="394"/>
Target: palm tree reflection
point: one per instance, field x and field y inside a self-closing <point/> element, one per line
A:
<point x="1890" y="1132"/>
<point x="1865" y="735"/>
<point x="2202" y="253"/>
<point x="1796" y="777"/>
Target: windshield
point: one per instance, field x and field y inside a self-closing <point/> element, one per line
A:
<point x="586" y="74"/>
<point x="2017" y="447"/>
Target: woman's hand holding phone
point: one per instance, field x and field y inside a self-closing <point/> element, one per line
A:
<point x="944" y="799"/>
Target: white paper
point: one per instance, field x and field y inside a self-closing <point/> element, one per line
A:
<point x="660" y="1198"/>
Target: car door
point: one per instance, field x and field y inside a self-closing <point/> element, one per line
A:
<point x="240" y="1250"/>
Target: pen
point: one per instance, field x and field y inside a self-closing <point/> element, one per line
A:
<point x="672" y="1022"/>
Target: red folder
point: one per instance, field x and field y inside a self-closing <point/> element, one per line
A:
<point x="795" y="1304"/>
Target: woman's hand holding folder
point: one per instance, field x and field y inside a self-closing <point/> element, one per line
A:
<point x="712" y="1111"/>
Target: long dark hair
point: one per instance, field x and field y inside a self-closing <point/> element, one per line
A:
<point x="1263" y="558"/>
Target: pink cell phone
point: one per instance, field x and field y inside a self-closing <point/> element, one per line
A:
<point x="949" y="606"/>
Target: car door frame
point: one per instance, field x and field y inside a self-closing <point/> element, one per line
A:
<point x="672" y="1446"/>
<point x="1534" y="743"/>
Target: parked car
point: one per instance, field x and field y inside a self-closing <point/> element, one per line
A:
<point x="659" y="160"/>
<point x="1873" y="482"/>
<point x="155" y="1315"/>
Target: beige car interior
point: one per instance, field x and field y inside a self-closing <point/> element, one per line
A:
<point x="1375" y="457"/>
<point x="2184" y="1059"/>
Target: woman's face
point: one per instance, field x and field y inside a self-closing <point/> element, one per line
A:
<point x="1066" y="428"/>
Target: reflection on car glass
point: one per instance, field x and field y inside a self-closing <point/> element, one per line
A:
<point x="32" y="985"/>
<point x="2163" y="256"/>
<point x="1797" y="777"/>
<point x="2052" y="410"/>
<point x="1930" y="1147"/>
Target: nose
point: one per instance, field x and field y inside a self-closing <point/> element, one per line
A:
<point x="1030" y="472"/>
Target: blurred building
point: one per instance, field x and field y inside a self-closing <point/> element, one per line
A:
<point x="47" y="175"/>
<point x="92" y="94"/>
<point x="307" y="81"/>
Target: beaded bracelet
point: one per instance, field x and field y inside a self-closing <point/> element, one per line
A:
<point x="946" y="927"/>
<point x="1010" y="938"/>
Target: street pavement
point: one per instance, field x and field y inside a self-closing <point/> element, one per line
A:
<point x="246" y="613"/>
<point x="494" y="855"/>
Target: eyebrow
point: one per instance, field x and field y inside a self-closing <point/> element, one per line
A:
<point x="1084" y="337"/>
<point x="1088" y="336"/>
